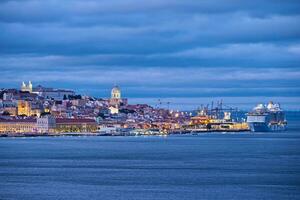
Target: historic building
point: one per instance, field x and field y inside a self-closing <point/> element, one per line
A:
<point x="116" y="100"/>
<point x="29" y="108"/>
<point x="46" y="124"/>
<point x="51" y="93"/>
<point x="116" y="93"/>
<point x="26" y="88"/>
<point x="24" y="108"/>
<point x="64" y="125"/>
<point x="18" y="126"/>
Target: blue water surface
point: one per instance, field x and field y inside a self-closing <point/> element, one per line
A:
<point x="208" y="166"/>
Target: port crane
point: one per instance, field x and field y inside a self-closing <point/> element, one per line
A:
<point x="216" y="111"/>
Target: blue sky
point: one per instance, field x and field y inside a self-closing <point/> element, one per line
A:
<point x="155" y="49"/>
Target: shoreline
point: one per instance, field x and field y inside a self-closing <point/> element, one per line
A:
<point x="123" y="135"/>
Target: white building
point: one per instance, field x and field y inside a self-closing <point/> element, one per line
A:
<point x="46" y="124"/>
<point x="51" y="93"/>
<point x="26" y="88"/>
<point x="114" y="110"/>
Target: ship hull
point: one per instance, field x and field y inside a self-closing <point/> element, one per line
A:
<point x="258" y="127"/>
<point x="264" y="127"/>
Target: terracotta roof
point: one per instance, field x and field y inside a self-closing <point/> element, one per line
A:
<point x="18" y="120"/>
<point x="67" y="120"/>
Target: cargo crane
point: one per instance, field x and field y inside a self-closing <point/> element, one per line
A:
<point x="216" y="112"/>
<point x="216" y="117"/>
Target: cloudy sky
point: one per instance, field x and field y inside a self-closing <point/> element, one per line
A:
<point x="235" y="49"/>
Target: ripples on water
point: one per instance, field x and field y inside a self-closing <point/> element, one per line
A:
<point x="209" y="166"/>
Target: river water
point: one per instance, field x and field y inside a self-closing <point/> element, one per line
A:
<point x="207" y="166"/>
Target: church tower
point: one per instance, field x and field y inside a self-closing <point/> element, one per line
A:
<point x="30" y="87"/>
<point x="26" y="88"/>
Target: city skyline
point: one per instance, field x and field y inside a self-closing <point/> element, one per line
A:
<point x="177" y="50"/>
<point x="178" y="103"/>
<point x="155" y="99"/>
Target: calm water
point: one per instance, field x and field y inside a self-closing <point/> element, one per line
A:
<point x="211" y="166"/>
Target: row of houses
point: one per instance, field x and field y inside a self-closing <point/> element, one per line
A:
<point x="47" y="124"/>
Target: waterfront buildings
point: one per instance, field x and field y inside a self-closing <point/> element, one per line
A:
<point x="46" y="124"/>
<point x="65" y="125"/>
<point x="58" y="111"/>
<point x="17" y="126"/>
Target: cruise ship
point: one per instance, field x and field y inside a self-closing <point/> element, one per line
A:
<point x="265" y="118"/>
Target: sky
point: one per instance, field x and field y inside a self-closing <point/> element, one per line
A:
<point x="247" y="51"/>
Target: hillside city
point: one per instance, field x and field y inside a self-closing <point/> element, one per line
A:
<point x="42" y="110"/>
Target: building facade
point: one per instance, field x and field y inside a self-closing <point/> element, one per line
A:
<point x="65" y="125"/>
<point x="18" y="126"/>
<point x="46" y="124"/>
<point x="51" y="93"/>
<point x="24" y="108"/>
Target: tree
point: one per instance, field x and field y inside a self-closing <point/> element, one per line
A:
<point x="45" y="113"/>
<point x="102" y="115"/>
<point x="126" y="111"/>
<point x="74" y="97"/>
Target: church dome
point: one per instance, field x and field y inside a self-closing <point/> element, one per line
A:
<point x="116" y="92"/>
<point x="115" y="89"/>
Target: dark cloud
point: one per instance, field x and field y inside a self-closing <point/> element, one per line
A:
<point x="154" y="48"/>
<point x="51" y="10"/>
